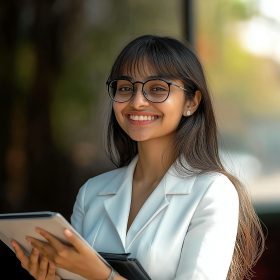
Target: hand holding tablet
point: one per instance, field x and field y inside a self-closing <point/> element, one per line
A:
<point x="50" y="233"/>
<point x="40" y="227"/>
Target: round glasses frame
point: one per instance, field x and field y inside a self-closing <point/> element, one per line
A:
<point x="110" y="82"/>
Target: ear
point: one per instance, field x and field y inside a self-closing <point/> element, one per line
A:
<point x="192" y="104"/>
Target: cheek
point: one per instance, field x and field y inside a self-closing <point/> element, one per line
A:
<point x="174" y="109"/>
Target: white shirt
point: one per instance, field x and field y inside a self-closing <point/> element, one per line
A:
<point x="185" y="230"/>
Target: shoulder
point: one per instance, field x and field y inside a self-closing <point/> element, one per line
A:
<point x="215" y="187"/>
<point x="209" y="186"/>
<point x="108" y="180"/>
<point x="106" y="177"/>
<point x="217" y="182"/>
<point x="199" y="183"/>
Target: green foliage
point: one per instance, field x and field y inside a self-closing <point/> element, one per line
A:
<point x="243" y="9"/>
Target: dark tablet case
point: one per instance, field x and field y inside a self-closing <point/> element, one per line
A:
<point x="127" y="267"/>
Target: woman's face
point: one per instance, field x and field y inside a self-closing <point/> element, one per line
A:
<point x="143" y="120"/>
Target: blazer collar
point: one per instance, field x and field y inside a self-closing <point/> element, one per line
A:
<point x="117" y="205"/>
<point x="172" y="178"/>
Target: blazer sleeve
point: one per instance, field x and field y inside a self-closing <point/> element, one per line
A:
<point x="209" y="242"/>
<point x="78" y="210"/>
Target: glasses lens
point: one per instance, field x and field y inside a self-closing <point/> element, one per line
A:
<point x="120" y="90"/>
<point x="156" y="90"/>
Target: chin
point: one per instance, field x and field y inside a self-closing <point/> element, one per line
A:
<point x="139" y="138"/>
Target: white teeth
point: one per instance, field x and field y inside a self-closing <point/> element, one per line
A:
<point x="142" y="118"/>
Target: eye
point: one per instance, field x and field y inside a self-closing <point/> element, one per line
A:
<point x="125" y="89"/>
<point x="158" y="88"/>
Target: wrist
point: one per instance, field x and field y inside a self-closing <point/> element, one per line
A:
<point x="113" y="274"/>
<point x="101" y="274"/>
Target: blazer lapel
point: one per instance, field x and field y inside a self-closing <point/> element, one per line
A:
<point x="155" y="203"/>
<point x="117" y="205"/>
<point x="171" y="184"/>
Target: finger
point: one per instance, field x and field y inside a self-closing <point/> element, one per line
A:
<point x="53" y="240"/>
<point x="51" y="272"/>
<point x="77" y="243"/>
<point x="20" y="254"/>
<point x="43" y="269"/>
<point x="58" y="245"/>
<point x="33" y="261"/>
<point x="43" y="247"/>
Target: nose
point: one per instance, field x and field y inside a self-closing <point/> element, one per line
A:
<point x="139" y="100"/>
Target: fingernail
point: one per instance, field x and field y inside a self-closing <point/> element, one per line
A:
<point x="68" y="232"/>
<point x="38" y="230"/>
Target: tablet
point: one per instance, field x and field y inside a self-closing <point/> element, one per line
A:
<point x="18" y="225"/>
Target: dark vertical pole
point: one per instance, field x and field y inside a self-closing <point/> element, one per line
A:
<point x="188" y="21"/>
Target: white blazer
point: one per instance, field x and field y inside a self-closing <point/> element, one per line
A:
<point x="185" y="230"/>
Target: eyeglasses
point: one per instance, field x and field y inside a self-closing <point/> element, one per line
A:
<point x="154" y="90"/>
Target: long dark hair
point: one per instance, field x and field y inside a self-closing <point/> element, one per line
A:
<point x="196" y="136"/>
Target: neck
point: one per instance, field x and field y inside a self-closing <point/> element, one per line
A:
<point x="155" y="157"/>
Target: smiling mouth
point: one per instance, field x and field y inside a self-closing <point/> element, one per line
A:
<point x="142" y="117"/>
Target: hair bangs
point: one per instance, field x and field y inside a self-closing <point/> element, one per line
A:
<point x="153" y="59"/>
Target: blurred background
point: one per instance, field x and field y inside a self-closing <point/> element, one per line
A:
<point x="55" y="56"/>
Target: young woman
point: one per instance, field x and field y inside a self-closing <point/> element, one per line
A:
<point x="170" y="203"/>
